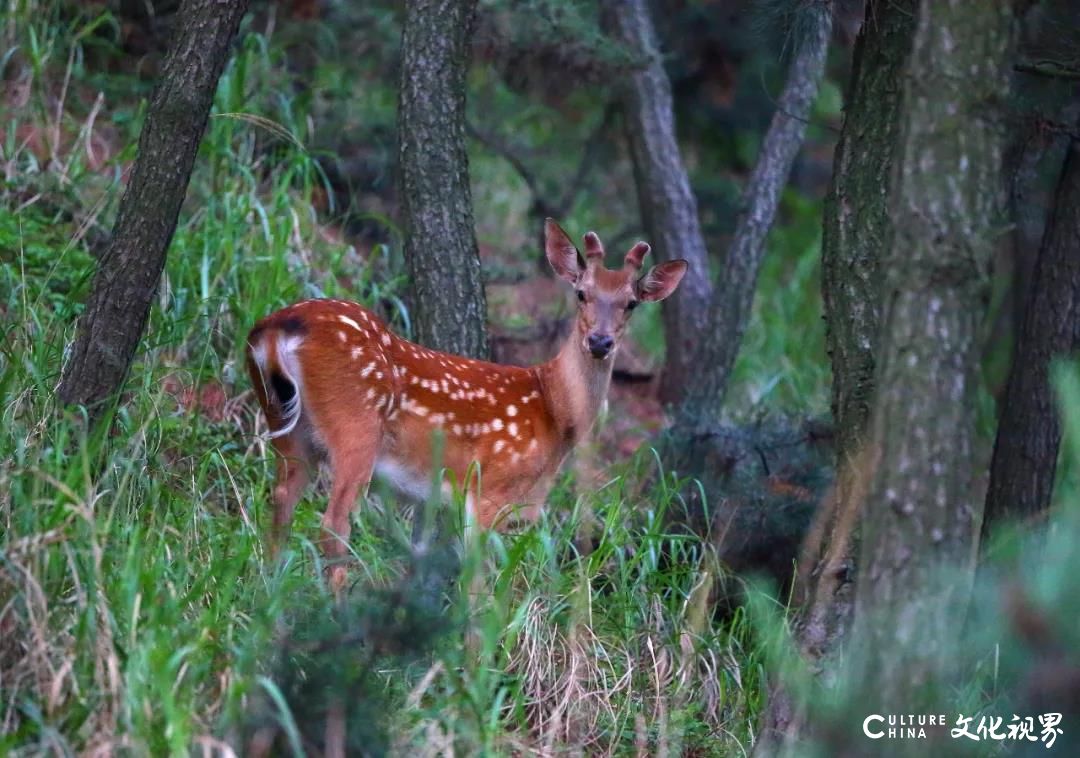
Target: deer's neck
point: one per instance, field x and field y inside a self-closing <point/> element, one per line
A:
<point x="576" y="386"/>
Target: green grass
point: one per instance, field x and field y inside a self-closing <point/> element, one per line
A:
<point x="141" y="609"/>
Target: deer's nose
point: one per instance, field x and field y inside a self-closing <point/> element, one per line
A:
<point x="600" y="345"/>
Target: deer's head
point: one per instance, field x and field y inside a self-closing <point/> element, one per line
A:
<point x="606" y="297"/>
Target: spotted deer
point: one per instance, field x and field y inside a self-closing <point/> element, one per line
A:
<point x="338" y="386"/>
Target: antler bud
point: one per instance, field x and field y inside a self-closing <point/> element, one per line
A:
<point x="636" y="254"/>
<point x="593" y="248"/>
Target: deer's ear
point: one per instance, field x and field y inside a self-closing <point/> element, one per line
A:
<point x="561" y="253"/>
<point x="661" y="280"/>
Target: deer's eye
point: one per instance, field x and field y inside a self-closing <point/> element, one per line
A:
<point x="631" y="305"/>
<point x="580" y="296"/>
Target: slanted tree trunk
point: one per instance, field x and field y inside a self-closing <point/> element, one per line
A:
<point x="921" y="516"/>
<point x="729" y="310"/>
<point x="448" y="307"/>
<point x="856" y="229"/>
<point x="668" y="207"/>
<point x="1025" y="454"/>
<point x="704" y="324"/>
<point x="128" y="272"/>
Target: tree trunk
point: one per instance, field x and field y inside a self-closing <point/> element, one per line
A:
<point x="1021" y="486"/>
<point x="668" y="206"/>
<point x="1023" y="156"/>
<point x="128" y="273"/>
<point x="449" y="310"/>
<point x="1034" y="154"/>
<point x="857" y="227"/>
<point x="1025" y="454"/>
<point x="920" y="523"/>
<point x="729" y="311"/>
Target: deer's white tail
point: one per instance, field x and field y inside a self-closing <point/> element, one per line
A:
<point x="275" y="356"/>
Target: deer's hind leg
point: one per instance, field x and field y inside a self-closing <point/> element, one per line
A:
<point x="294" y="467"/>
<point x="353" y="447"/>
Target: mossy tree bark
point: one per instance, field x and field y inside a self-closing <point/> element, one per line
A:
<point x="920" y="519"/>
<point x="856" y="229"/>
<point x="448" y="307"/>
<point x="129" y="271"/>
<point x="669" y="210"/>
<point x="856" y="226"/>
<point x="1029" y="433"/>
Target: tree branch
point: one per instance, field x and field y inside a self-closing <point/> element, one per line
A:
<point x="588" y="159"/>
<point x="668" y="207"/>
<point x="512" y="154"/>
<point x="729" y="309"/>
<point x="1050" y="68"/>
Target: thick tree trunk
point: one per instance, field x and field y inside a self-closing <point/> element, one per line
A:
<point x="449" y="310"/>
<point x="921" y="517"/>
<point x="729" y="311"/>
<point x="668" y="207"/>
<point x="1025" y="455"/>
<point x="128" y="272"/>
<point x="857" y="228"/>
